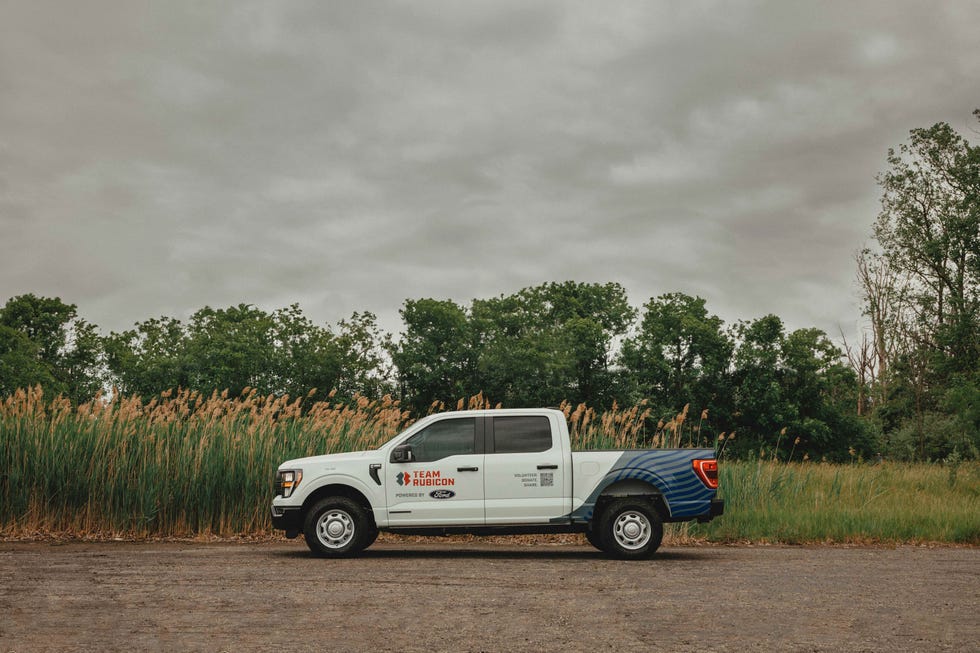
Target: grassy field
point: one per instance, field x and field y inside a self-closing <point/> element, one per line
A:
<point x="188" y="465"/>
<point x="815" y="502"/>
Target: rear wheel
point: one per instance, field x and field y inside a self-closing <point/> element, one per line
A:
<point x="592" y="536"/>
<point x="630" y="529"/>
<point x="336" y="527"/>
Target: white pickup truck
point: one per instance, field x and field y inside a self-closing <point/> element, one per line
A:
<point x="494" y="472"/>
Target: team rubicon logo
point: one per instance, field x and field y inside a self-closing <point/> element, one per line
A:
<point x="423" y="478"/>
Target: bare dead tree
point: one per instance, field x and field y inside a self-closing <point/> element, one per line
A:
<point x="862" y="360"/>
<point x="884" y="294"/>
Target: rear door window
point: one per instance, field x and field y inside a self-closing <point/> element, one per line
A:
<point x="521" y="434"/>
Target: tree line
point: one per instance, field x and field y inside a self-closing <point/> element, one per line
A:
<point x="918" y="363"/>
<point x="907" y="387"/>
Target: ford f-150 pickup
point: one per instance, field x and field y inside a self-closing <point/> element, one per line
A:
<point x="506" y="471"/>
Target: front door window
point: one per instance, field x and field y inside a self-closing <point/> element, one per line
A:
<point x="451" y="437"/>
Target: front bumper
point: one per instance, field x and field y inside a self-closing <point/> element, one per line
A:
<point x="287" y="519"/>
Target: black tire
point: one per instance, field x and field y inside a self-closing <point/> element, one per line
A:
<point x="630" y="529"/>
<point x="372" y="536"/>
<point x="592" y="536"/>
<point x="337" y="527"/>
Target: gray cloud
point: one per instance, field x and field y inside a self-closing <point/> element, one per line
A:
<point x="348" y="156"/>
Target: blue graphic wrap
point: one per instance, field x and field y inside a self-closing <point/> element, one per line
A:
<point x="668" y="470"/>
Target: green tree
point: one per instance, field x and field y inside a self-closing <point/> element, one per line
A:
<point x="281" y="353"/>
<point x="20" y="364"/>
<point x="962" y="402"/>
<point x="232" y="349"/>
<point x="65" y="351"/>
<point x="761" y="411"/>
<point x="794" y="394"/>
<point x="82" y="364"/>
<point x="434" y="357"/>
<point x="929" y="229"/>
<point x="150" y="358"/>
<point x="819" y="392"/>
<point x="517" y="362"/>
<point x="929" y="233"/>
<point x="303" y="357"/>
<point x="44" y="320"/>
<point x="550" y="343"/>
<point x="680" y="356"/>
<point x="365" y="366"/>
<point x="588" y="318"/>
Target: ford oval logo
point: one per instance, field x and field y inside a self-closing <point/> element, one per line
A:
<point x="442" y="494"/>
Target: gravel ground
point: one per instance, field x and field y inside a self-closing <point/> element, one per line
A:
<point x="474" y="596"/>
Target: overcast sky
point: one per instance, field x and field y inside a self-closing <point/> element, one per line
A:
<point x="159" y="157"/>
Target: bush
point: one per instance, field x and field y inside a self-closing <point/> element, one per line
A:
<point x="939" y="436"/>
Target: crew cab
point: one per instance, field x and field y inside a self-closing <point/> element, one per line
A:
<point x="509" y="471"/>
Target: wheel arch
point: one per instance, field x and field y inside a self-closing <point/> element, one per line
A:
<point x="633" y="487"/>
<point x="338" y="490"/>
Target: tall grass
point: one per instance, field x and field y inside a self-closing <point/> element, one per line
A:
<point x="768" y="501"/>
<point x="183" y="465"/>
<point x="188" y="464"/>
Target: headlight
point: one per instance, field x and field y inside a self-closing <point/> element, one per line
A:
<point x="287" y="480"/>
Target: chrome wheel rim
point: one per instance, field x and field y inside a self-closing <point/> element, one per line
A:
<point x="335" y="529"/>
<point x="632" y="530"/>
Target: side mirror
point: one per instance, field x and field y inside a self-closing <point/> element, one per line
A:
<point x="402" y="454"/>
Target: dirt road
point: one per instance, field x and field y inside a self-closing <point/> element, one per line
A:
<point x="442" y="596"/>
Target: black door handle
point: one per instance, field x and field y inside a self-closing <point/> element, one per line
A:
<point x="467" y="469"/>
<point x="547" y="466"/>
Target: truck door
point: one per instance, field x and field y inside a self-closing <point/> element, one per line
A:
<point x="527" y="475"/>
<point x="443" y="483"/>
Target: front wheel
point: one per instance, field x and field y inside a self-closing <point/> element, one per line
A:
<point x="336" y="527"/>
<point x="630" y="529"/>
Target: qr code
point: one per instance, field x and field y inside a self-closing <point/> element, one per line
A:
<point x="547" y="479"/>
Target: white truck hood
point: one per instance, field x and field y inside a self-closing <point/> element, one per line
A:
<point x="327" y="459"/>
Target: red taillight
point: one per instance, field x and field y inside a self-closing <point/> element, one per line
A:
<point x="707" y="471"/>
